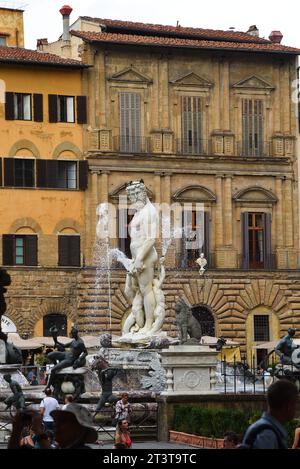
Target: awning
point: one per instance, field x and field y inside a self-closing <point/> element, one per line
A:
<point x="207" y="340"/>
<point x="29" y="344"/>
<point x="272" y="344"/>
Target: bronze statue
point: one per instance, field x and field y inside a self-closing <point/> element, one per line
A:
<point x="187" y="324"/>
<point x="106" y="376"/>
<point x="17" y="399"/>
<point x="75" y="357"/>
<point x="285" y="349"/>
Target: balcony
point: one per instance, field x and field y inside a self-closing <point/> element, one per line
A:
<point x="192" y="147"/>
<point x="128" y="144"/>
<point x="257" y="150"/>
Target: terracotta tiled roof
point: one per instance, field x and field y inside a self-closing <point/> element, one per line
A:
<point x="27" y="56"/>
<point x="177" y="31"/>
<point x="183" y="43"/>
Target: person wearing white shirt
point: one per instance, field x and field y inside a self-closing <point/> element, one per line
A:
<point x="48" y="404"/>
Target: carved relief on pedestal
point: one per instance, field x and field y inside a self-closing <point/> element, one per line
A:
<point x="156" y="142"/>
<point x="167" y="142"/>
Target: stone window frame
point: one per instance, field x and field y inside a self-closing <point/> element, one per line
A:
<point x="244" y="90"/>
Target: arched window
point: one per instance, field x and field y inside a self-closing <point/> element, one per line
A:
<point x="206" y="320"/>
<point x="58" y="320"/>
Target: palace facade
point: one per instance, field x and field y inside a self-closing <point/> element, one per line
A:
<point x="203" y="117"/>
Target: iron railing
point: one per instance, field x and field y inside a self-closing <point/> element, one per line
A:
<point x="192" y="147"/>
<point x="129" y="144"/>
<point x="239" y="376"/>
<point x="260" y="148"/>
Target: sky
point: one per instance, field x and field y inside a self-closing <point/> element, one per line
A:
<point x="42" y="17"/>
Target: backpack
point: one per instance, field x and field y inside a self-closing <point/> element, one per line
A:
<point x="248" y="444"/>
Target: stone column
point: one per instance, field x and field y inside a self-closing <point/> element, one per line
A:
<point x="219" y="212"/>
<point x="93" y="217"/>
<point x="166" y="199"/>
<point x="216" y="108"/>
<point x="228" y="211"/>
<point x="164" y="121"/>
<point x="225" y="95"/>
<point x="279" y="220"/>
<point x="289" y="229"/>
<point x="101" y="88"/>
<point x="157" y="187"/>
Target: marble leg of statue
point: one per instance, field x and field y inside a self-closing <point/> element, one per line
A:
<point x="145" y="282"/>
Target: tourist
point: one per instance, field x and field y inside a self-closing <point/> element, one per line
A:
<point x="27" y="440"/>
<point x="68" y="400"/>
<point x="34" y="381"/>
<point x="23" y="420"/>
<point x="42" y="378"/>
<point x="268" y="432"/>
<point x="48" y="404"/>
<point x="74" y="427"/>
<point x="231" y="440"/>
<point x="296" y="438"/>
<point x="123" y="408"/>
<point x="122" y="436"/>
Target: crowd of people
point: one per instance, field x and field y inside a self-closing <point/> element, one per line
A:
<point x="68" y="427"/>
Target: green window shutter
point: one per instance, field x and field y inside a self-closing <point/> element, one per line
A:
<point x="52" y="104"/>
<point x="31" y="254"/>
<point x="8" y="249"/>
<point x="9" y="106"/>
<point x="9" y="172"/>
<point x="81" y="102"/>
<point x="38" y="108"/>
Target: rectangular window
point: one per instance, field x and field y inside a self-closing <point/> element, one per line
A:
<point x="69" y="250"/>
<point x="195" y="237"/>
<point x="256" y="241"/>
<point x="124" y="219"/>
<point x="2" y="41"/>
<point x="66" y="174"/>
<point x="261" y="328"/>
<point x="130" y="122"/>
<point x="19" y="250"/>
<point x="66" y="109"/>
<point x="253" y="128"/>
<point x="22" y="106"/>
<point x="191" y="125"/>
<point x="24" y="172"/>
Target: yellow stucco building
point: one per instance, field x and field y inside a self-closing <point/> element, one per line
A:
<point x="43" y="179"/>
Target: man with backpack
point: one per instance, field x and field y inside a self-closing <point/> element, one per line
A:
<point x="268" y="432"/>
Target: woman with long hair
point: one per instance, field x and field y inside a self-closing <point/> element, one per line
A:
<point x="122" y="436"/>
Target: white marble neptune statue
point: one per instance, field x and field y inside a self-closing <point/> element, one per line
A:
<point x="142" y="287"/>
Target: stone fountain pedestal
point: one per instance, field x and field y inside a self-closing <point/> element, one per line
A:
<point x="14" y="371"/>
<point x="190" y="369"/>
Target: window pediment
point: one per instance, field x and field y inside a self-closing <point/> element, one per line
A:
<point x="194" y="194"/>
<point x="130" y="75"/>
<point x="121" y="192"/>
<point x="192" y="80"/>
<point x="254" y="194"/>
<point x="253" y="83"/>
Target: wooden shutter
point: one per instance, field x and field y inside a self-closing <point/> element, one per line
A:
<point x="52" y="171"/>
<point x="38" y="108"/>
<point x="9" y="106"/>
<point x="9" y="172"/>
<point x="52" y="102"/>
<point x="74" y="251"/>
<point x="31" y="250"/>
<point x="8" y="249"/>
<point x="41" y="173"/>
<point x="191" y="125"/>
<point x="83" y="174"/>
<point x="63" y="250"/>
<point x="245" y="240"/>
<point x="206" y="239"/>
<point x="253" y="133"/>
<point x="267" y="241"/>
<point x="130" y="122"/>
<point x="69" y="251"/>
<point x="81" y="110"/>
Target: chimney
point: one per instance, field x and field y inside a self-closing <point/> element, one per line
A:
<point x="66" y="11"/>
<point x="253" y="31"/>
<point x="276" y="36"/>
<point x="40" y="43"/>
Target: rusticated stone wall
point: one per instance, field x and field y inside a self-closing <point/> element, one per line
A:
<point x="33" y="293"/>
